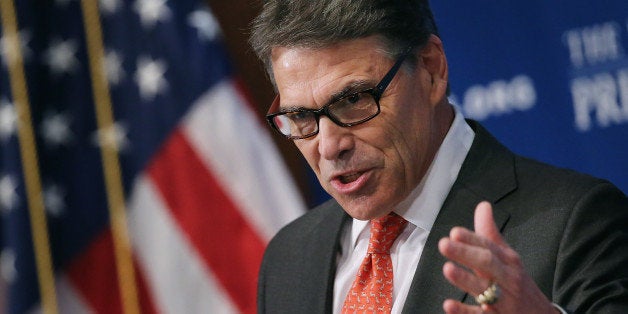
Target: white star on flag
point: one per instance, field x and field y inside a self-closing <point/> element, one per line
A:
<point x="61" y="58"/>
<point x="8" y="196"/>
<point x="113" y="67"/>
<point x="8" y="119"/>
<point x="205" y="23"/>
<point x="7" y="265"/>
<point x="113" y="136"/>
<point x="9" y="52"/>
<point x="152" y="11"/>
<point x="109" y="7"/>
<point x="150" y="77"/>
<point x="55" y="129"/>
<point x="54" y="200"/>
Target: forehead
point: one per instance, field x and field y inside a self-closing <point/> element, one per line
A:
<point x="305" y="75"/>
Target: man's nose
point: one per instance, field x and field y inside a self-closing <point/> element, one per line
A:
<point x="333" y="140"/>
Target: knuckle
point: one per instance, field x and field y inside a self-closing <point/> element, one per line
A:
<point x="487" y="258"/>
<point x="518" y="281"/>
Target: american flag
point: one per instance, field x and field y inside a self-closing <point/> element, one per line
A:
<point x="158" y="185"/>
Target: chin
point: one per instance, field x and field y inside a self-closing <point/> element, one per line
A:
<point x="363" y="209"/>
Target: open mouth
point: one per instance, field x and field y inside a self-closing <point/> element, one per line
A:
<point x="349" y="177"/>
<point x="351" y="181"/>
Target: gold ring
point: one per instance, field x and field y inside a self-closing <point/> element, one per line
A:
<point x="490" y="295"/>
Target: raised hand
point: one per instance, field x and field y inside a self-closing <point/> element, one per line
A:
<point x="482" y="258"/>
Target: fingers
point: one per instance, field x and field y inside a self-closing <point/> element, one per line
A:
<point x="485" y="224"/>
<point x="455" y="307"/>
<point x="476" y="257"/>
<point x="479" y="254"/>
<point x="480" y="258"/>
<point x="463" y="279"/>
<point x="464" y="236"/>
<point x="484" y="250"/>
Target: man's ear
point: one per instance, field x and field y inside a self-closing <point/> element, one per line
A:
<point x="432" y="56"/>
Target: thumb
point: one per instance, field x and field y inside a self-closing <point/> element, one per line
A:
<point x="485" y="224"/>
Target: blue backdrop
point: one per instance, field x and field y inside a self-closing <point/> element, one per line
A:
<point x="548" y="78"/>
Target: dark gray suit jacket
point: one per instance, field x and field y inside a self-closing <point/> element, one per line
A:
<point x="571" y="231"/>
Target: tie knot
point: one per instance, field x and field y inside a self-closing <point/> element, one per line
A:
<point x="384" y="231"/>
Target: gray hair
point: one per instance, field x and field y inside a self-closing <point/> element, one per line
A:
<point x="320" y="23"/>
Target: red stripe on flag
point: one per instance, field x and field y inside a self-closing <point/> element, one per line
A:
<point x="212" y="222"/>
<point x="93" y="273"/>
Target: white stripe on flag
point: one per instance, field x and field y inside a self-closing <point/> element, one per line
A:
<point x="69" y="300"/>
<point x="178" y="279"/>
<point x="241" y="154"/>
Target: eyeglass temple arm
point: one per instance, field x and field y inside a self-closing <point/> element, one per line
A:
<point x="274" y="106"/>
<point x="389" y="76"/>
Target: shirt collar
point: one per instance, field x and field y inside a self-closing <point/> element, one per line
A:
<point x="421" y="207"/>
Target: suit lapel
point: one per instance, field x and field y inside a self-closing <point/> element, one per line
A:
<point x="486" y="174"/>
<point x="322" y="249"/>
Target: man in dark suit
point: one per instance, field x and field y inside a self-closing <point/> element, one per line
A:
<point x="429" y="211"/>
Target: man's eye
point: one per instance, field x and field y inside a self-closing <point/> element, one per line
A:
<point x="353" y="98"/>
<point x="298" y="116"/>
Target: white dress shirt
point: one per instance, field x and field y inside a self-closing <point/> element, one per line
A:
<point x="419" y="209"/>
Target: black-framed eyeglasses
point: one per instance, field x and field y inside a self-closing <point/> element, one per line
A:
<point x="345" y="111"/>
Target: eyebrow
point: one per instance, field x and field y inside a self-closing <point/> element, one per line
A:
<point x="353" y="87"/>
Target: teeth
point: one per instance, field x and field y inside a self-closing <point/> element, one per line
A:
<point x="349" y="178"/>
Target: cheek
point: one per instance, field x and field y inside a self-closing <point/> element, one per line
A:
<point x="387" y="140"/>
<point x="309" y="151"/>
<point x="405" y="143"/>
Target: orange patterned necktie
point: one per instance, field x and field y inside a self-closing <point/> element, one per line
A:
<point x="372" y="289"/>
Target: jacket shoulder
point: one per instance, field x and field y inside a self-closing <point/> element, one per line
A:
<point x="314" y="221"/>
